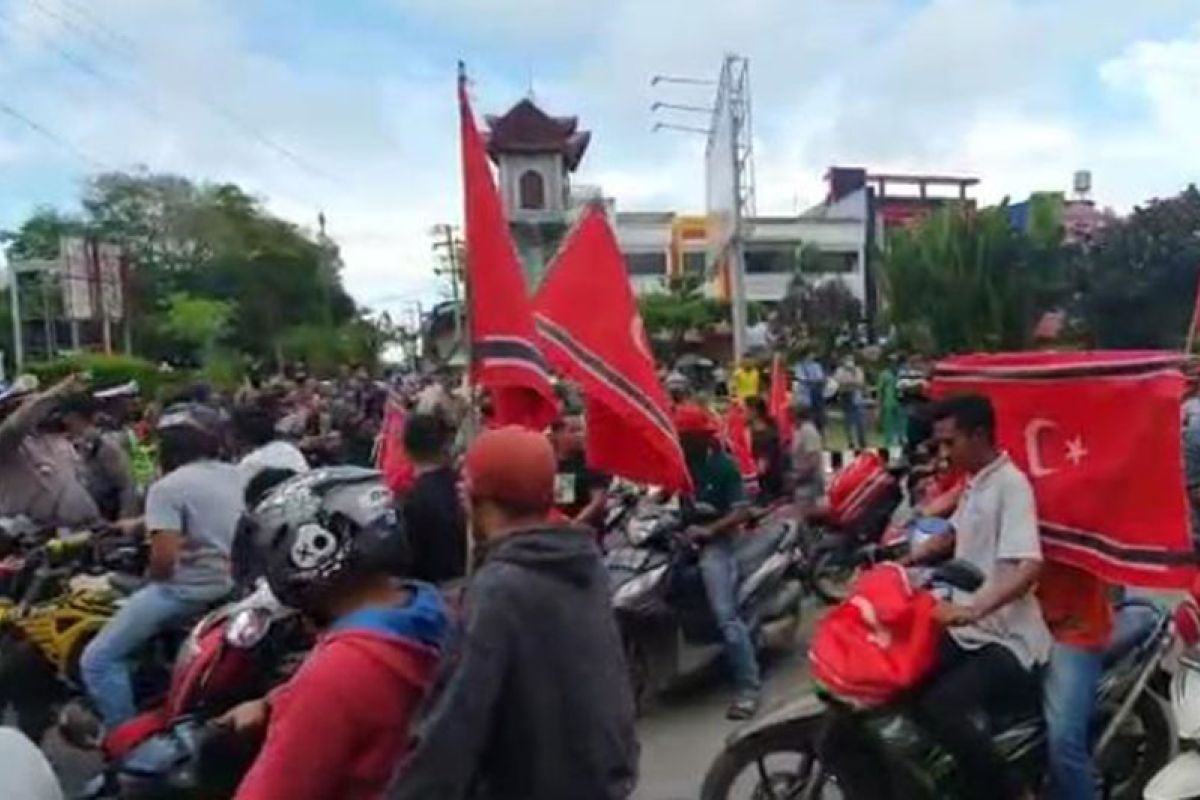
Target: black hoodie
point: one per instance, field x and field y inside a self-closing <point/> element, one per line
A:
<point x="535" y="703"/>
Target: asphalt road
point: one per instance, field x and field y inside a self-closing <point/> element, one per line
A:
<point x="682" y="734"/>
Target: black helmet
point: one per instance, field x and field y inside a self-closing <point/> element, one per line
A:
<point x="324" y="528"/>
<point x="192" y="416"/>
<point x="188" y="432"/>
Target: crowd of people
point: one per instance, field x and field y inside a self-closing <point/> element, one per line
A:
<point x="468" y="646"/>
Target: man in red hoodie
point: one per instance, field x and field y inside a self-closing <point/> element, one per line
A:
<point x="337" y="728"/>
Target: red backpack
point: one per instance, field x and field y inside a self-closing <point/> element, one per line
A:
<point x="879" y="642"/>
<point x="857" y="486"/>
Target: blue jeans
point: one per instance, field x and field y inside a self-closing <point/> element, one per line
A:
<point x="104" y="665"/>
<point x="856" y="431"/>
<point x="1069" y="704"/>
<point x="719" y="568"/>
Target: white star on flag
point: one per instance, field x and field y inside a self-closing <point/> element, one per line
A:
<point x="1076" y="452"/>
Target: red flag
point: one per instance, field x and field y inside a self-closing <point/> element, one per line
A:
<point x="737" y="436"/>
<point x="780" y="402"/>
<point x="504" y="357"/>
<point x="1099" y="436"/>
<point x="390" y="456"/>
<point x="589" y="327"/>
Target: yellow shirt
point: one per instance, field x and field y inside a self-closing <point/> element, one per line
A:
<point x="745" y="383"/>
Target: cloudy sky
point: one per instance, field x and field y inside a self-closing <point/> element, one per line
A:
<point x="348" y="105"/>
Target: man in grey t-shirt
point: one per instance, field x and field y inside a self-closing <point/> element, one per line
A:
<point x="191" y="515"/>
<point x="996" y="634"/>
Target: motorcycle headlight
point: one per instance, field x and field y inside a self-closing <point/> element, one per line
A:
<point x="633" y="590"/>
<point x="1185" y="696"/>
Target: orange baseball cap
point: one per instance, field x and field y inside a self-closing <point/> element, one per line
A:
<point x="513" y="466"/>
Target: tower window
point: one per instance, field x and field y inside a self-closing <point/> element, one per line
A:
<point x="532" y="190"/>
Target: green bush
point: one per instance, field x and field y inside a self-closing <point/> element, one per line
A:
<point x="108" y="371"/>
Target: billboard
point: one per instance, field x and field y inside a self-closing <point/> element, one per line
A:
<point x="110" y="281"/>
<point x="720" y="179"/>
<point x="75" y="279"/>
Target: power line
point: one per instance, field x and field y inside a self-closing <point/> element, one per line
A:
<point x="127" y="48"/>
<point x="51" y="135"/>
<point x="138" y="98"/>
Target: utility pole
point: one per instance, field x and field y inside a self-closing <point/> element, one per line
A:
<point x="14" y="305"/>
<point x="446" y="239"/>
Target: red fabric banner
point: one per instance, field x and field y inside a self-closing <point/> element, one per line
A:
<point x="1098" y="434"/>
<point x="737" y="437"/>
<point x="780" y="402"/>
<point x="390" y="456"/>
<point x="504" y="358"/>
<point x="590" y="330"/>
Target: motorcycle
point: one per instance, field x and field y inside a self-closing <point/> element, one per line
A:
<point x="71" y="587"/>
<point x="61" y="603"/>
<point x="235" y="653"/>
<point x="793" y="751"/>
<point x="1180" y="779"/>
<point x="661" y="605"/>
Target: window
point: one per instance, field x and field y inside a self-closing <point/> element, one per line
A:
<point x="832" y="264"/>
<point x="532" y="190"/>
<point x="761" y="259"/>
<point x="646" y="263"/>
<point x="694" y="264"/>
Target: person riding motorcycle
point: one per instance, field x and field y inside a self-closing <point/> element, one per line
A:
<point x="39" y="470"/>
<point x="191" y="515"/>
<point x="997" y="636"/>
<point x="718" y="483"/>
<point x="338" y="726"/>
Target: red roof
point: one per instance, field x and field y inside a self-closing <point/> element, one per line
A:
<point x="525" y="128"/>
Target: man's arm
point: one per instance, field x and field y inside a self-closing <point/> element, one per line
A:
<point x="164" y="521"/>
<point x="597" y="495"/>
<point x="452" y="738"/>
<point x="30" y="413"/>
<point x="310" y="741"/>
<point x="1018" y="554"/>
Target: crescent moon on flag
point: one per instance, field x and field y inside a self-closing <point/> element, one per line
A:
<point x="1034" y="429"/>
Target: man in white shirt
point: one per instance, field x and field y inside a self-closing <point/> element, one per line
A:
<point x="254" y="424"/>
<point x="996" y="635"/>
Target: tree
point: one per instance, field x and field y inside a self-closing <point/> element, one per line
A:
<point x="1137" y="283"/>
<point x="670" y="315"/>
<point x="198" y="322"/>
<point x="209" y="242"/>
<point x="823" y="315"/>
<point x="963" y="280"/>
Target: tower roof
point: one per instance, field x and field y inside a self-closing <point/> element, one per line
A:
<point x="525" y="128"/>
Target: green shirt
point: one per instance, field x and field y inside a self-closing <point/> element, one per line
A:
<point x="718" y="481"/>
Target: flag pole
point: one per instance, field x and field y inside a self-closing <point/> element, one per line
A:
<point x="1195" y="320"/>
<point x="463" y="314"/>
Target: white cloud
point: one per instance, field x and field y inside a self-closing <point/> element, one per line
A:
<point x="1020" y="93"/>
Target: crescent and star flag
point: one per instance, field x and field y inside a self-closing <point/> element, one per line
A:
<point x="779" y="403"/>
<point x="504" y="358"/>
<point x="1098" y="434"/>
<point x="590" y="330"/>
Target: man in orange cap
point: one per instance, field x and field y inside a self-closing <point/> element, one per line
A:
<point x="536" y="703"/>
<point x="719" y="485"/>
